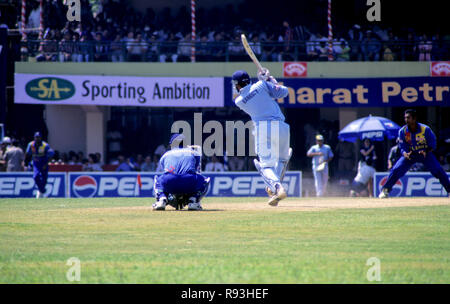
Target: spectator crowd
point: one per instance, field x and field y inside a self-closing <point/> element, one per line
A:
<point x="112" y="30"/>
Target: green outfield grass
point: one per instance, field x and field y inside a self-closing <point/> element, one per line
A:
<point x="119" y="241"/>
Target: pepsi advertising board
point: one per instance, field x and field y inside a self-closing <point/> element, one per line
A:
<point x="249" y="184"/>
<point x="21" y="184"/>
<point x="127" y="184"/>
<point x="110" y="184"/>
<point x="134" y="184"/>
<point x="412" y="184"/>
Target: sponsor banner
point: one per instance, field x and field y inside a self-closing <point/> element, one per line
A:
<point x="249" y="184"/>
<point x="361" y="92"/>
<point x="134" y="184"/>
<point x="3" y="75"/>
<point x="21" y="184"/>
<point x="111" y="184"/>
<point x="295" y="69"/>
<point x="412" y="184"/>
<point x="440" y="68"/>
<point x="126" y="184"/>
<point x="119" y="90"/>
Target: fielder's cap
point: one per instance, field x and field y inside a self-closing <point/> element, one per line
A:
<point x="37" y="134"/>
<point x="176" y="139"/>
<point x="6" y="140"/>
<point x="319" y="137"/>
<point x="240" y="76"/>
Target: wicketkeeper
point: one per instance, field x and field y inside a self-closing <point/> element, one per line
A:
<point x="181" y="183"/>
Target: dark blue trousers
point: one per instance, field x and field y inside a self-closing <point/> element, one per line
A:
<point x="193" y="184"/>
<point x="40" y="178"/>
<point x="431" y="163"/>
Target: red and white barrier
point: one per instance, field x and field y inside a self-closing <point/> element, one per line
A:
<point x="330" y="33"/>
<point x="193" y="30"/>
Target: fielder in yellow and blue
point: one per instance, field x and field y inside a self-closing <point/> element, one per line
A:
<point x="40" y="153"/>
<point x="417" y="142"/>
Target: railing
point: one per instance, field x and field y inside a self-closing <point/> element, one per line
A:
<point x="117" y="51"/>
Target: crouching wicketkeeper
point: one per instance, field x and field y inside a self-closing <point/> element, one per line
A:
<point x="181" y="183"/>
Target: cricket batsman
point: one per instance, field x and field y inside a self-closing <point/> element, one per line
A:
<point x="270" y="131"/>
<point x="417" y="142"/>
<point x="40" y="153"/>
<point x="181" y="183"/>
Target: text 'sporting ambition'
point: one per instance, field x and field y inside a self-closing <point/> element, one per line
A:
<point x="124" y="91"/>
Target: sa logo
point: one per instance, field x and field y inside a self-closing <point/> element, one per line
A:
<point x="50" y="89"/>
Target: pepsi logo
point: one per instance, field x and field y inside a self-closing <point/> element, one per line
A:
<point x="396" y="190"/>
<point x="84" y="186"/>
<point x="373" y="134"/>
<point x="440" y="68"/>
<point x="294" y="69"/>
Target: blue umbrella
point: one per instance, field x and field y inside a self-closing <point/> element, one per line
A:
<point x="371" y="127"/>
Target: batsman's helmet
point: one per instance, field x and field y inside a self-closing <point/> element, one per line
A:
<point x="241" y="78"/>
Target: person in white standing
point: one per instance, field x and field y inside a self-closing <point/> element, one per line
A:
<point x="270" y="131"/>
<point x="321" y="155"/>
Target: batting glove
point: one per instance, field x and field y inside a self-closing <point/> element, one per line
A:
<point x="272" y="80"/>
<point x="263" y="74"/>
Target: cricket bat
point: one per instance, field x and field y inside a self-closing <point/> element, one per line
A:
<point x="250" y="53"/>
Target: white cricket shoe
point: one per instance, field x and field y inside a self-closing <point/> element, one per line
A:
<point x="38" y="194"/>
<point x="281" y="194"/>
<point x="269" y="192"/>
<point x="194" y="205"/>
<point x="384" y="193"/>
<point x="160" y="205"/>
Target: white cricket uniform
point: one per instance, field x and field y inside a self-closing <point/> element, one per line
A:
<point x="320" y="177"/>
<point x="271" y="132"/>
<point x="272" y="136"/>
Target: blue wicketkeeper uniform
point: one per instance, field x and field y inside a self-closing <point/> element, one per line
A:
<point x="422" y="140"/>
<point x="181" y="174"/>
<point x="40" y="154"/>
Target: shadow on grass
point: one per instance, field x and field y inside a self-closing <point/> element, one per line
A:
<point x="185" y="210"/>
